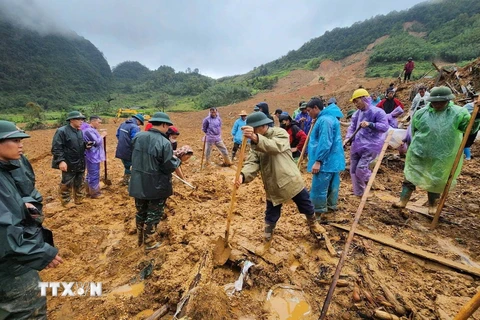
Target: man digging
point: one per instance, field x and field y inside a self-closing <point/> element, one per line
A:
<point x="437" y="132"/>
<point x="270" y="155"/>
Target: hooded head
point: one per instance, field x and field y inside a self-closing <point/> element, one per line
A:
<point x="263" y="106"/>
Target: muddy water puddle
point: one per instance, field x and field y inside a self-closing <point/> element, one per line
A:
<point x="133" y="290"/>
<point x="287" y="304"/>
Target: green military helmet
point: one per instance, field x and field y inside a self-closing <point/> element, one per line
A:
<point x="139" y="117"/>
<point x="8" y="130"/>
<point x="303" y="106"/>
<point x="75" y="115"/>
<point x="161" y="117"/>
<point x="257" y="119"/>
<point x="350" y="113"/>
<point x="441" y="94"/>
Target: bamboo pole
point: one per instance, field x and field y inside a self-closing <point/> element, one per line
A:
<point x="469" y="308"/>
<point x="352" y="229"/>
<point x="443" y="198"/>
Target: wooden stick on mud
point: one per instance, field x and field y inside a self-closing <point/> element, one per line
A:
<point x="414" y="251"/>
<point x="305" y="146"/>
<point x="443" y="198"/>
<point x="352" y="229"/>
<point x="159" y="313"/>
<point x="469" y="308"/>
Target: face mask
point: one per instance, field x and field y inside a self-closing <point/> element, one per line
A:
<point x="173" y="140"/>
<point x="283" y="126"/>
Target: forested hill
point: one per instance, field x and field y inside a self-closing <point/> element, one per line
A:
<point x="53" y="70"/>
<point x="440" y="29"/>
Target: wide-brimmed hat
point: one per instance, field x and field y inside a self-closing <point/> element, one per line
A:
<point x="440" y="94"/>
<point x="243" y="113"/>
<point x="161" y="117"/>
<point x="8" y="130"/>
<point x="140" y="118"/>
<point x="75" y="115"/>
<point x="258" y="119"/>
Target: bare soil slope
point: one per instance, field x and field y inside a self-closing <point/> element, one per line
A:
<point x="97" y="240"/>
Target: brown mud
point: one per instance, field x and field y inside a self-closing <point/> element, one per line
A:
<point x="98" y="244"/>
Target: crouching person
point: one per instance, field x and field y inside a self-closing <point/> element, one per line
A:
<point x="270" y="155"/>
<point x="151" y="181"/>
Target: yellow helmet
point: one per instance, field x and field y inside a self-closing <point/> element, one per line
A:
<point x="359" y="93"/>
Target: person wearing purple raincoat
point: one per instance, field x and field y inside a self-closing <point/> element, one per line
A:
<point x="368" y="141"/>
<point x="93" y="156"/>
<point x="212" y="127"/>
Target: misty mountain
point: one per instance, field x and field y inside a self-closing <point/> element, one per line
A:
<point x="54" y="70"/>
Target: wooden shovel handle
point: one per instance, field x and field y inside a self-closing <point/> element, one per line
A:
<point x="203" y="152"/>
<point x="105" y="162"/>
<point x="234" y="191"/>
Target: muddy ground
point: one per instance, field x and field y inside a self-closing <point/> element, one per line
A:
<point x="97" y="240"/>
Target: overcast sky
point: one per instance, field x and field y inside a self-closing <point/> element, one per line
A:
<point x="220" y="37"/>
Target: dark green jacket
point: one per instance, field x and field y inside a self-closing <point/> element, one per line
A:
<point x="68" y="146"/>
<point x="25" y="180"/>
<point x="21" y="241"/>
<point x="152" y="166"/>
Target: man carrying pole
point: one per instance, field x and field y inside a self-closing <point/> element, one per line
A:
<point x="437" y="132"/>
<point x="367" y="143"/>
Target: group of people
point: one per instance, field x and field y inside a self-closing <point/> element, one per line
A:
<point x="149" y="158"/>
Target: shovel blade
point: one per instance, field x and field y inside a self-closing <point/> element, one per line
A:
<point x="221" y="252"/>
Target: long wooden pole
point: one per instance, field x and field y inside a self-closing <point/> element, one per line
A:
<point x="469" y="309"/>
<point x="328" y="299"/>
<point x="203" y="152"/>
<point x="305" y="146"/>
<point x="443" y="198"/>
<point x="234" y="191"/>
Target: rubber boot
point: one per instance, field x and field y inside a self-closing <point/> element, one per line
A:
<point x="226" y="161"/>
<point x="269" y="228"/>
<point x="314" y="226"/>
<point x="233" y="155"/>
<point x="468" y="154"/>
<point x="432" y="202"/>
<point x="404" y="198"/>
<point x="126" y="179"/>
<point x="149" y="237"/>
<point x="65" y="194"/>
<point x="140" y="235"/>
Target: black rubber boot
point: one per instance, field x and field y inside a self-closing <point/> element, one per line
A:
<point x="432" y="202"/>
<point x="140" y="233"/>
<point x="404" y="198"/>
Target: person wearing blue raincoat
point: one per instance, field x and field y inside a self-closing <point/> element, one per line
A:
<point x="368" y="141"/>
<point x="326" y="158"/>
<point x="437" y="132"/>
<point x="237" y="132"/>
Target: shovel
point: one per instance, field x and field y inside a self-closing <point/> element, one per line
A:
<point x="222" y="249"/>
<point x="107" y="181"/>
<point x="203" y="152"/>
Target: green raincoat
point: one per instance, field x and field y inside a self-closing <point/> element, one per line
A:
<point x="272" y="157"/>
<point x="436" y="138"/>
